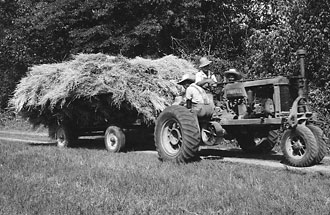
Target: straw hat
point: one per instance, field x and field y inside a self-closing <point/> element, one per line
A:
<point x="234" y="72"/>
<point x="204" y="62"/>
<point x="187" y="77"/>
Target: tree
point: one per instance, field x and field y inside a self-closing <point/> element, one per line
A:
<point x="259" y="37"/>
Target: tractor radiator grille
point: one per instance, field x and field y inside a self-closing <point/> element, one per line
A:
<point x="286" y="100"/>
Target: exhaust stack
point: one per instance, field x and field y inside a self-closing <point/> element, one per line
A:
<point x="303" y="89"/>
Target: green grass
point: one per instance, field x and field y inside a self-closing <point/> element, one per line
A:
<point x="38" y="179"/>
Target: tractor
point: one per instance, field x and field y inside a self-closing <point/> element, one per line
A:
<point x="253" y="112"/>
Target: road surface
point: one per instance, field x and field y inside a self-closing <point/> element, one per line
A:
<point x="230" y="155"/>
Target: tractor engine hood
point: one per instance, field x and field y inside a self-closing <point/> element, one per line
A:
<point x="280" y="80"/>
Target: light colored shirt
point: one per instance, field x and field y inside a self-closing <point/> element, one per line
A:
<point x="201" y="76"/>
<point x="197" y="94"/>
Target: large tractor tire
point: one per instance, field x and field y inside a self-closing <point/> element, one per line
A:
<point x="299" y="146"/>
<point x="177" y="135"/>
<point x="65" y="136"/>
<point x="250" y="144"/>
<point x="321" y="141"/>
<point x="114" y="139"/>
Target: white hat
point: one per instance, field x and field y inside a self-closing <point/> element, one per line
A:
<point x="187" y="77"/>
<point x="233" y="72"/>
<point x="204" y="62"/>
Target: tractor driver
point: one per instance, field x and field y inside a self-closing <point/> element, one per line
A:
<point x="196" y="98"/>
<point x="232" y="75"/>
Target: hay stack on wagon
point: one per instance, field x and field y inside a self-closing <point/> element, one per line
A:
<point x="94" y="88"/>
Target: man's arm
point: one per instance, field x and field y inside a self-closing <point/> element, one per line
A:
<point x="205" y="81"/>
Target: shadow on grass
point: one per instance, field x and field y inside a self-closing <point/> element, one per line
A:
<point x="97" y="143"/>
<point x="146" y="144"/>
<point x="131" y="144"/>
<point x="52" y="143"/>
<point x="136" y="142"/>
<point x="238" y="153"/>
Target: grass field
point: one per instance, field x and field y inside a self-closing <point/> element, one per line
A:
<point x="43" y="179"/>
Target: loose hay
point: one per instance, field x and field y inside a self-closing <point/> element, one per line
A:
<point x="96" y="87"/>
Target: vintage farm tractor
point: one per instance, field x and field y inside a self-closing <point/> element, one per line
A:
<point x="253" y="114"/>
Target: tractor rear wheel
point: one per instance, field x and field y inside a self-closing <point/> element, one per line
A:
<point x="251" y="144"/>
<point x="114" y="139"/>
<point x="177" y="134"/>
<point x="299" y="146"/>
<point x="321" y="141"/>
<point x="65" y="136"/>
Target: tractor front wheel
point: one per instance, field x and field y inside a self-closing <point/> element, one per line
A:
<point x="177" y="134"/>
<point x="321" y="140"/>
<point x="299" y="146"/>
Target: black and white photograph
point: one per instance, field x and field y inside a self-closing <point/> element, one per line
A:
<point x="138" y="107"/>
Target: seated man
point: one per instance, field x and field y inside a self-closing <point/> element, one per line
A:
<point x="232" y="75"/>
<point x="204" y="76"/>
<point x="196" y="98"/>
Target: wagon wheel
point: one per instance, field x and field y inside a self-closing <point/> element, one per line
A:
<point x="65" y="136"/>
<point x="114" y="139"/>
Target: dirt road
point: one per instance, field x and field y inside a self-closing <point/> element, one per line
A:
<point x="230" y="155"/>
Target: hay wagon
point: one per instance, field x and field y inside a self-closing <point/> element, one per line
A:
<point x="94" y="94"/>
<point x="95" y="117"/>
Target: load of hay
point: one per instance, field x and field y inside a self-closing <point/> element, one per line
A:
<point x="92" y="88"/>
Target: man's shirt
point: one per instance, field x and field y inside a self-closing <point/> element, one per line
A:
<point x="197" y="94"/>
<point x="201" y="76"/>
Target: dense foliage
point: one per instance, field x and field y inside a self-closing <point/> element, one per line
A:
<point x="259" y="37"/>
